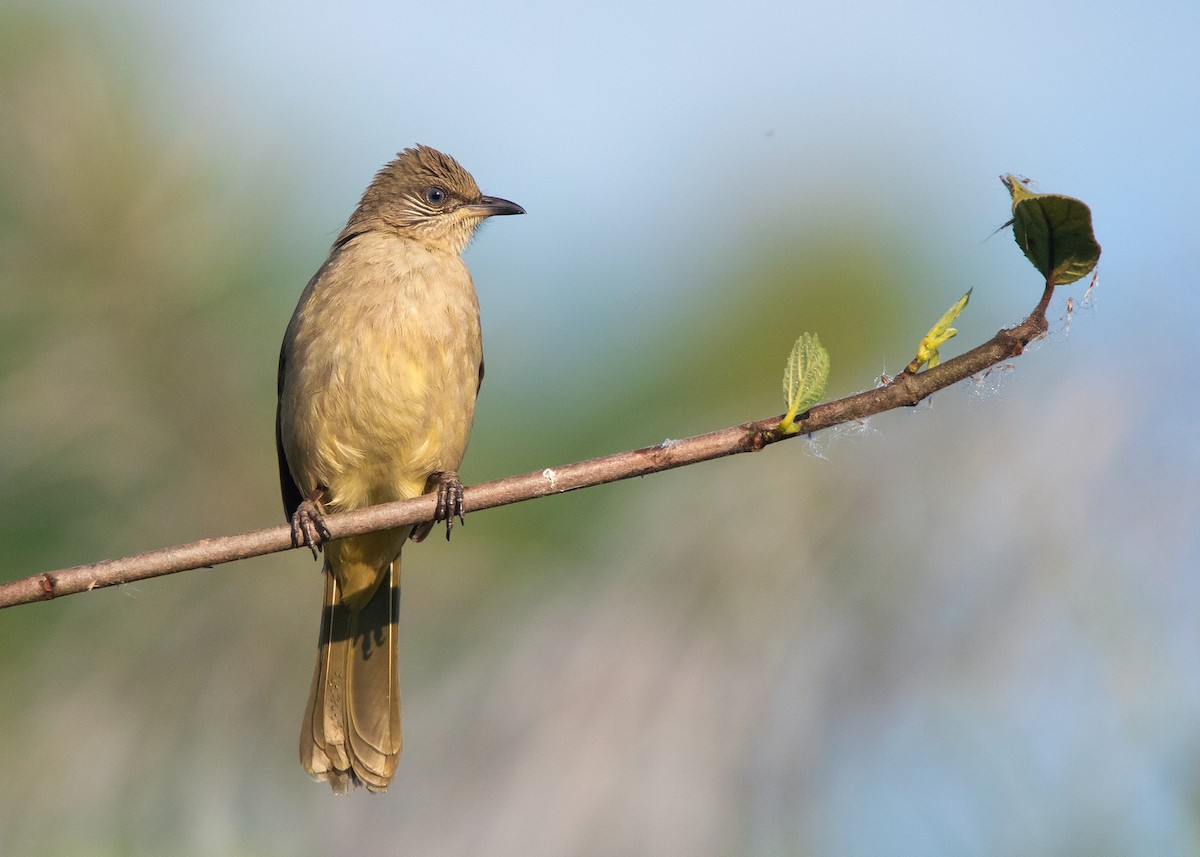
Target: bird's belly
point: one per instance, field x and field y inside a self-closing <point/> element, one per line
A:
<point x="386" y="423"/>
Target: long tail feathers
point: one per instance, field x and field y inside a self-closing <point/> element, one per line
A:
<point x="351" y="730"/>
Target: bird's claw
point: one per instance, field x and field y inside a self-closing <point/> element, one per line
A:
<point x="308" y="527"/>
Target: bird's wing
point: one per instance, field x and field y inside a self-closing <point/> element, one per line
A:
<point x="287" y="485"/>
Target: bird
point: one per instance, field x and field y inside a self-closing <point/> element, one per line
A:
<point x="379" y="370"/>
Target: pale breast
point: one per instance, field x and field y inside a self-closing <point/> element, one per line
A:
<point x="381" y="369"/>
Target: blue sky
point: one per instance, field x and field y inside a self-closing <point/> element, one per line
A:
<point x="637" y="133"/>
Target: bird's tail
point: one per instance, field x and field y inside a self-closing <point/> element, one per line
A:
<point x="351" y="730"/>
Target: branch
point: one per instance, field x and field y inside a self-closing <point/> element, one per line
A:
<point x="905" y="390"/>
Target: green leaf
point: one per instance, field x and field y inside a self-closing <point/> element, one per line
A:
<point x="1054" y="232"/>
<point x="939" y="334"/>
<point x="804" y="379"/>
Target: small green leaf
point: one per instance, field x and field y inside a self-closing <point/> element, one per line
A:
<point x="1053" y="231"/>
<point x="939" y="334"/>
<point x="804" y="379"/>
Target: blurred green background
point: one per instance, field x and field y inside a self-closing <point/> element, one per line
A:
<point x="971" y="628"/>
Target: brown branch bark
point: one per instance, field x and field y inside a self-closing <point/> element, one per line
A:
<point x="905" y="390"/>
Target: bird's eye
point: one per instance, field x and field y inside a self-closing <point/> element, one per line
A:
<point x="435" y="195"/>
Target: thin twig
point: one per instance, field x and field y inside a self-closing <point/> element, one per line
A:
<point x="905" y="390"/>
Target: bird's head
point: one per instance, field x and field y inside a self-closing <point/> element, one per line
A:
<point x="426" y="195"/>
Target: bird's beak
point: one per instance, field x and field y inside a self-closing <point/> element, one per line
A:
<point x="489" y="206"/>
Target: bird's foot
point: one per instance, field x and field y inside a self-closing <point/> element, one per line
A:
<point x="308" y="527"/>
<point x="449" y="499"/>
<point x="449" y="491"/>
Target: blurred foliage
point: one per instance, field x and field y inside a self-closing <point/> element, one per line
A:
<point x="134" y="373"/>
<point x="125" y="366"/>
<point x="851" y="279"/>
